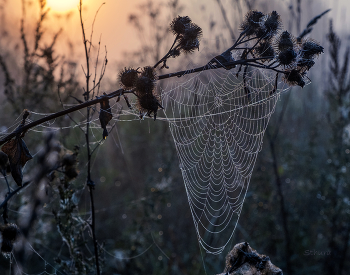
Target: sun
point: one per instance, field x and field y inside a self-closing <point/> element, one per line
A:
<point x="62" y="5"/>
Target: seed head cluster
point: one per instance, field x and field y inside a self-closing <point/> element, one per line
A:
<point x="294" y="57"/>
<point x="147" y="99"/>
<point x="144" y="83"/>
<point x="188" y="35"/>
<point x="260" y="25"/>
<point x="309" y="49"/>
<point x="299" y="59"/>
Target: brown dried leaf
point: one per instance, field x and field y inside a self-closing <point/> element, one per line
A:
<point x="18" y="155"/>
<point x="105" y="116"/>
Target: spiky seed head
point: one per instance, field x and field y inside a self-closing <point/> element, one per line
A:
<point x="311" y="48"/>
<point x="251" y="24"/>
<point x="287" y="57"/>
<point x="10" y="232"/>
<point x="272" y="23"/>
<point x="285" y="41"/>
<point x="144" y="85"/>
<point x="6" y="246"/>
<point x="189" y="41"/>
<point x="179" y="24"/>
<point x="148" y="103"/>
<point x="193" y="32"/>
<point x="293" y="78"/>
<point x="128" y="77"/>
<point x="188" y="46"/>
<point x="149" y="72"/>
<point x="265" y="49"/>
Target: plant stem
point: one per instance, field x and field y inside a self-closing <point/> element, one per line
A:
<point x="62" y="113"/>
<point x="89" y="181"/>
<point x="121" y="92"/>
<point x="217" y="66"/>
<point x="11" y="194"/>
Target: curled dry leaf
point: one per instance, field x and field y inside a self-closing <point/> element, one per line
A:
<point x="105" y="116"/>
<point x="18" y="155"/>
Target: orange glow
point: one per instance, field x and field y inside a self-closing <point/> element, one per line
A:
<point x="62" y="5"/>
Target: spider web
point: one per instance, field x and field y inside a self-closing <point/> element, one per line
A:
<point x="218" y="121"/>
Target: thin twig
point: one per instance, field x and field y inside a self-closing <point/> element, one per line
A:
<point x="62" y="113"/>
<point x="121" y="92"/>
<point x="11" y="194"/>
<point x="89" y="181"/>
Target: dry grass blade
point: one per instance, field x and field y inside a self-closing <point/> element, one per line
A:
<point x="312" y="22"/>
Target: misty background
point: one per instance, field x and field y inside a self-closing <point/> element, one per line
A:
<point x="297" y="209"/>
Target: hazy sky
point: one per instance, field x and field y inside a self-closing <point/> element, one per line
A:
<point x="118" y="36"/>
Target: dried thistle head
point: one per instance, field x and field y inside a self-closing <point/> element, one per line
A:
<point x="294" y="78"/>
<point x="144" y="85"/>
<point x="149" y="104"/>
<point x="149" y="72"/>
<point x="188" y="46"/>
<point x="285" y="41"/>
<point x="187" y="33"/>
<point x="272" y="24"/>
<point x="193" y="32"/>
<point x="287" y="57"/>
<point x="147" y="100"/>
<point x="310" y="49"/>
<point x="265" y="49"/>
<point x="189" y="41"/>
<point x="251" y="24"/>
<point x="128" y="78"/>
<point x="179" y="24"/>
